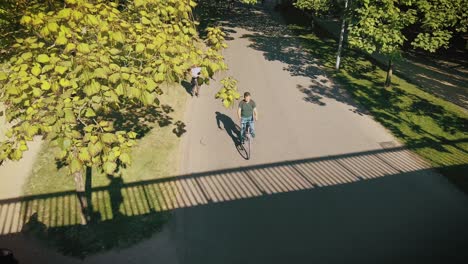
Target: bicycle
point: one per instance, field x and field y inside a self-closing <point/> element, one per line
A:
<point x="247" y="138"/>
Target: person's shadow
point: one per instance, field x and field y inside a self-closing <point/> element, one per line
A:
<point x="115" y="194"/>
<point x="34" y="226"/>
<point x="187" y="86"/>
<point x="232" y="129"/>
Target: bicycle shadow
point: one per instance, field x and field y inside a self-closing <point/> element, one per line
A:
<point x="242" y="151"/>
<point x="233" y="131"/>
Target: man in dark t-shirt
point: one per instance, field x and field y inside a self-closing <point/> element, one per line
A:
<point x="247" y="113"/>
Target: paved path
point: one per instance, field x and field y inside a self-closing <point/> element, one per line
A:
<point x="319" y="189"/>
<point x="14" y="173"/>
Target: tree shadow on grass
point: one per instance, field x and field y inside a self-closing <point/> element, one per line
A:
<point x="179" y="129"/>
<point x="84" y="240"/>
<point x="390" y="106"/>
<point x="102" y="233"/>
<point x="449" y="123"/>
<point x="437" y="78"/>
<point x="142" y="119"/>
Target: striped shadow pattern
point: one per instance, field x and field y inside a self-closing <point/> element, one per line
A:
<point x="146" y="197"/>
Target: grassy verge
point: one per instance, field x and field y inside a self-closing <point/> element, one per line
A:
<point x="434" y="128"/>
<point x="122" y="214"/>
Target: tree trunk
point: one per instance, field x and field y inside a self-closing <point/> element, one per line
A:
<point x="81" y="194"/>
<point x="388" y="80"/>
<point x="342" y="33"/>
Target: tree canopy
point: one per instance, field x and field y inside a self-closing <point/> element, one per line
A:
<point x="379" y="25"/>
<point x="78" y="67"/>
<point x="316" y="6"/>
<point x="382" y="25"/>
<point x="438" y="22"/>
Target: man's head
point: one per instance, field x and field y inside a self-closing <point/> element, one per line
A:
<point x="247" y="96"/>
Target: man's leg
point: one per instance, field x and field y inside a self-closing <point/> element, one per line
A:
<point x="252" y="127"/>
<point x="242" y="132"/>
<point x="197" y="87"/>
<point x="193" y="84"/>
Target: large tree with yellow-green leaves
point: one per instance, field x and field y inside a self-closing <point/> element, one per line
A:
<point x="79" y="66"/>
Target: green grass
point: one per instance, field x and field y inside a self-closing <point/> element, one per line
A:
<point x="122" y="215"/>
<point x="434" y="128"/>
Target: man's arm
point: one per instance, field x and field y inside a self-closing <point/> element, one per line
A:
<point x="255" y="113"/>
<point x="239" y="111"/>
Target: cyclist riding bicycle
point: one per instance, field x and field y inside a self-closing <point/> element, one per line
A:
<point x="247" y="113"/>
